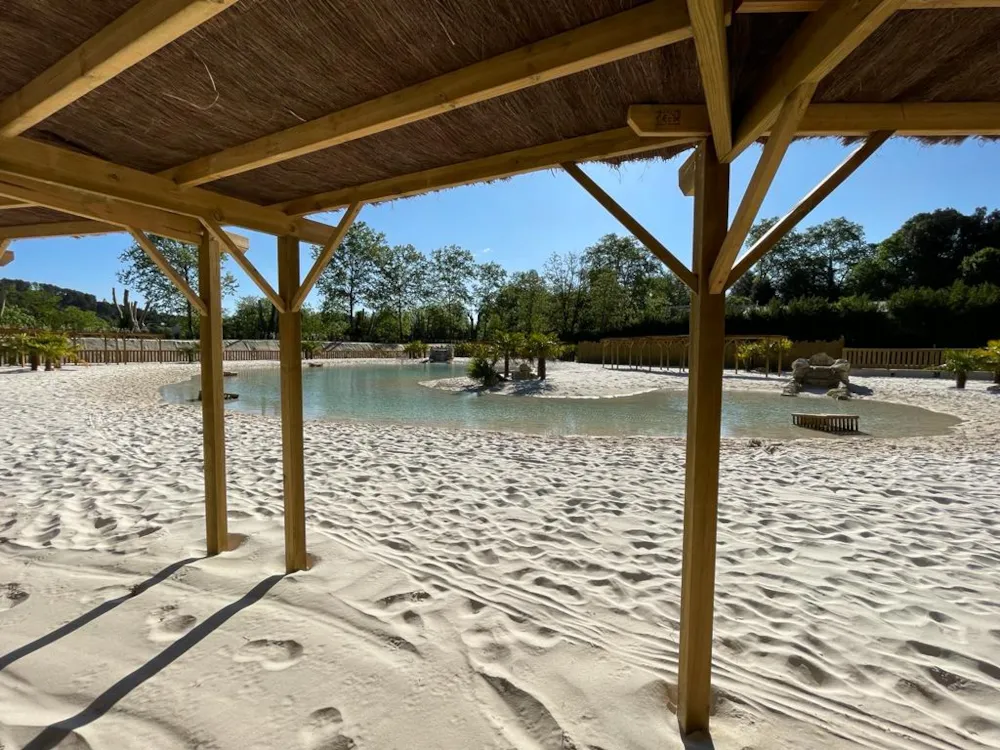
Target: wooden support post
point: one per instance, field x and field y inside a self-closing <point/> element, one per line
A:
<point x="708" y="317"/>
<point x="210" y="289"/>
<point x="292" y="448"/>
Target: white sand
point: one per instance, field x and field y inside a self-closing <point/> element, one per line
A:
<point x="475" y="590"/>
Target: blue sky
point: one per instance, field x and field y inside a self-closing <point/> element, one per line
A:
<point x="520" y="222"/>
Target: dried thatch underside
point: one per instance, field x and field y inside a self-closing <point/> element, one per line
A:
<point x="265" y="65"/>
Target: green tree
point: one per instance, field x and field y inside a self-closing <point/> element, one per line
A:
<point x="542" y="346"/>
<point x="400" y="283"/>
<point x="632" y="266"/>
<point x="566" y="279"/>
<point x="145" y="277"/>
<point x="451" y="274"/>
<point x="346" y="282"/>
<point x="253" y="318"/>
<point x="488" y="282"/>
<point x="982" y="267"/>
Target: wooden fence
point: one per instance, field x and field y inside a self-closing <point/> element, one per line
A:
<point x="668" y="352"/>
<point x="894" y="359"/>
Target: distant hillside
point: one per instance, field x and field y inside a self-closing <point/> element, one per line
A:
<point x="24" y="294"/>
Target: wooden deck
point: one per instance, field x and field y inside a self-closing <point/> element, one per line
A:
<point x="827" y="422"/>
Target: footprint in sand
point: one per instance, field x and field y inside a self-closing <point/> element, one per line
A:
<point x="322" y="732"/>
<point x="272" y="655"/>
<point x="11" y="594"/>
<point x="167" y="624"/>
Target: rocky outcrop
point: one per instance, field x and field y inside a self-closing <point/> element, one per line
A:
<point x="822" y="371"/>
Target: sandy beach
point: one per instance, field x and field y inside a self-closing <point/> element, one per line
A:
<point x="484" y="590"/>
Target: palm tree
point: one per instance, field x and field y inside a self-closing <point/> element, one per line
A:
<point x="542" y="346"/>
<point x="962" y="362"/>
<point x="993" y="358"/>
<point x="510" y="344"/>
<point x="53" y="348"/>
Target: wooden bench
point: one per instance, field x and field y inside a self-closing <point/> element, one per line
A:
<point x="827" y="422"/>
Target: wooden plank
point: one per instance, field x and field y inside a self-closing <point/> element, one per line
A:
<point x="168" y="270"/>
<point x="802" y="209"/>
<point x="243" y="262"/>
<point x="760" y="182"/>
<point x="23" y="157"/>
<point x="7" y="204"/>
<point x="324" y="257"/>
<point x="292" y="446"/>
<point x="6" y="255"/>
<point x="135" y="35"/>
<point x="909" y="119"/>
<point x="214" y="436"/>
<point x="622" y="35"/>
<point x="105" y="211"/>
<point x="604" y="145"/>
<point x="708" y="313"/>
<point x="708" y="25"/>
<point x="687" y="174"/>
<point x="808" y="6"/>
<point x="821" y="43"/>
<point x="628" y="221"/>
<point x="85" y="227"/>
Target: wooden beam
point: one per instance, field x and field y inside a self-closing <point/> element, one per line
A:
<point x="760" y="182"/>
<point x="135" y="35"/>
<point x="243" y="262"/>
<point x="629" y="222"/>
<point x="604" y="145"/>
<point x="58" y="229"/>
<point x="708" y="25"/>
<point x="830" y="183"/>
<point x="701" y="497"/>
<point x="212" y="399"/>
<point x="292" y="445"/>
<point x="688" y="173"/>
<point x="168" y="270"/>
<point x="8" y="203"/>
<point x="821" y="43"/>
<point x="39" y="161"/>
<point x="324" y="257"/>
<point x="808" y="6"/>
<point x="6" y="255"/>
<point x="104" y="211"/>
<point x="918" y="119"/>
<point x="631" y="32"/>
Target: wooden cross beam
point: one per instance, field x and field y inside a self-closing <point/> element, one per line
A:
<point x="821" y="43"/>
<point x="622" y="35"/>
<point x="135" y="35"/>
<point x="243" y="262"/>
<point x="830" y="183"/>
<point x="6" y="255"/>
<point x="21" y="157"/>
<point x="708" y="25"/>
<point x="9" y="203"/>
<point x="687" y="174"/>
<point x="628" y="221"/>
<point x="760" y="182"/>
<point x="168" y="270"/>
<point x="324" y="257"/>
<point x="808" y="6"/>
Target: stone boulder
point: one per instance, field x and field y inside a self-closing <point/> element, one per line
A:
<point x="821" y="370"/>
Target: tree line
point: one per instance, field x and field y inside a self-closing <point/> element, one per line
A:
<point x="933" y="282"/>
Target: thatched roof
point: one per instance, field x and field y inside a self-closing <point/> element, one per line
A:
<point x="262" y="66"/>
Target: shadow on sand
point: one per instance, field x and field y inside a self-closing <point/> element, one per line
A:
<point x="19" y="653"/>
<point x="53" y="734"/>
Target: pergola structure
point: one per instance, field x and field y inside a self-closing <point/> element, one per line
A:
<point x="182" y="117"/>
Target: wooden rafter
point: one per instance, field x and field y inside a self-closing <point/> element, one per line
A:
<point x="760" y="182"/>
<point x="830" y="183"/>
<point x="57" y="229"/>
<point x="135" y="35"/>
<point x="243" y="262"/>
<point x="44" y="163"/>
<point x="168" y="270"/>
<point x="324" y="257"/>
<point x="605" y="145"/>
<point x="821" y="43"/>
<point x="631" y="32"/>
<point x="708" y="25"/>
<point x="10" y="203"/>
<point x="629" y="222"/>
<point x="103" y="210"/>
<point x="6" y="255"/>
<point x="808" y="6"/>
<point x="917" y="119"/>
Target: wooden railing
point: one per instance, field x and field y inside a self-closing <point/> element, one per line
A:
<point x="894" y="359"/>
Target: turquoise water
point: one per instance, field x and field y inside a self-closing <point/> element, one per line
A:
<point x="391" y="393"/>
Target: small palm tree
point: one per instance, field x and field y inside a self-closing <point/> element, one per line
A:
<point x="542" y="346"/>
<point x="509" y="344"/>
<point x="993" y="358"/>
<point x="15" y="347"/>
<point x="962" y="362"/>
<point x="53" y="348"/>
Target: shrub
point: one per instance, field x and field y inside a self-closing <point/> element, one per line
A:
<point x="416" y="349"/>
<point x="483" y="366"/>
<point x="465" y="348"/>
